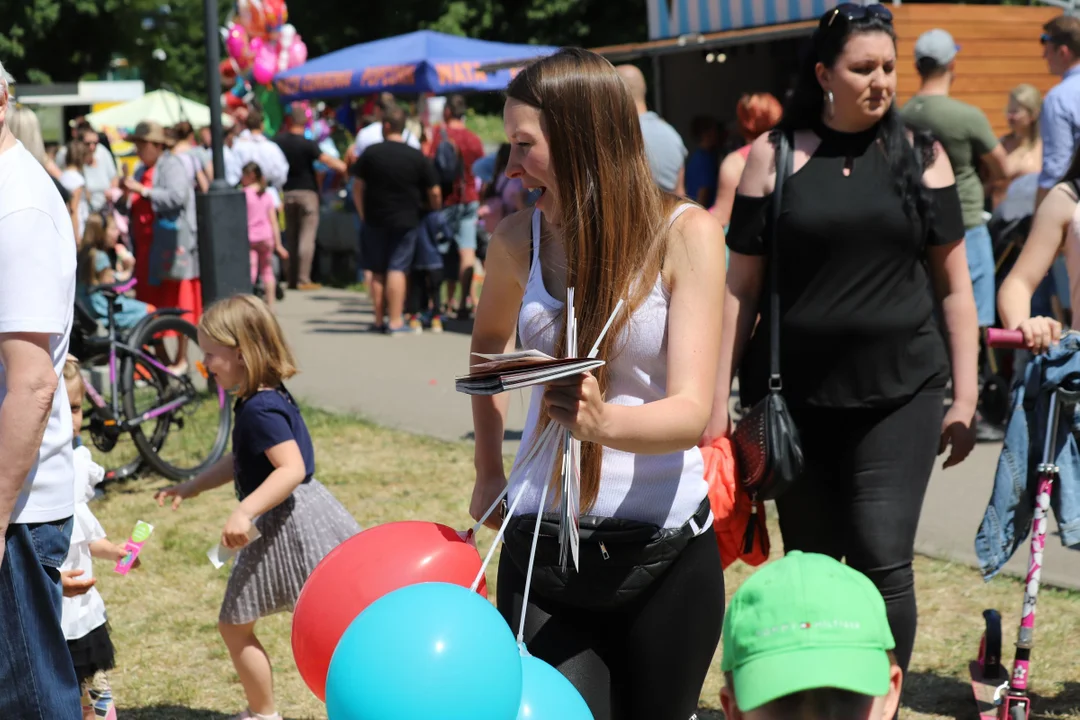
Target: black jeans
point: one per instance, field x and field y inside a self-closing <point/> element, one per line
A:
<point x="862" y="493"/>
<point x="646" y="660"/>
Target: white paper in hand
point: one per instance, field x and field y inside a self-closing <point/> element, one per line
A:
<point x="219" y="554"/>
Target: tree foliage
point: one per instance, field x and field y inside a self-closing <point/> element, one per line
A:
<point x="69" y="40"/>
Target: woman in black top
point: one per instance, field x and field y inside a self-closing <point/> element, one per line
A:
<point x="870" y="232"/>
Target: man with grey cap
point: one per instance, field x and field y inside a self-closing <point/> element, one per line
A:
<point x="965" y="133"/>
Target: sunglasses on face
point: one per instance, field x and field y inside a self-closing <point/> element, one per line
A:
<point x="847" y="13"/>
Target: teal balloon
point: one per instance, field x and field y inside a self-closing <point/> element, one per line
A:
<point x="430" y="650"/>
<point x="547" y="695"/>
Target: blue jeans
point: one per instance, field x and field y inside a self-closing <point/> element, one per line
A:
<point x="37" y="678"/>
<point x="980" y="258"/>
<point x="464" y="219"/>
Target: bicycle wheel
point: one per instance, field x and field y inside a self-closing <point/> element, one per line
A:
<point x="194" y="410"/>
<point x="118" y="454"/>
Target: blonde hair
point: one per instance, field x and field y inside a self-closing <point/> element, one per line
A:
<point x="245" y="323"/>
<point x="73" y="374"/>
<point x="1028" y="97"/>
<point x="24" y="125"/>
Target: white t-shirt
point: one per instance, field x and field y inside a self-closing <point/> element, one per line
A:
<point x="83" y="613"/>
<point x="372" y="135"/>
<point x="37" y="295"/>
<point x="72" y="180"/>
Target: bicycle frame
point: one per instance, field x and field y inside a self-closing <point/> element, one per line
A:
<point x="115" y="344"/>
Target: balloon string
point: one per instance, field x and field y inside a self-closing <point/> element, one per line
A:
<point x="529" y="457"/>
<point x="532" y="561"/>
<point x="523" y="466"/>
<point x="495" y="544"/>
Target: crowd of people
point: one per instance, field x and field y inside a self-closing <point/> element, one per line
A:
<point x="867" y="249"/>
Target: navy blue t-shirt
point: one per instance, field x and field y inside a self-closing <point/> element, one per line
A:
<point x="702" y="171"/>
<point x="266" y="419"/>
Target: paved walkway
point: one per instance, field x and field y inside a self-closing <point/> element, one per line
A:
<point x="408" y="383"/>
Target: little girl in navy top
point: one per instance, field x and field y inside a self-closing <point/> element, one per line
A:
<point x="272" y="467"/>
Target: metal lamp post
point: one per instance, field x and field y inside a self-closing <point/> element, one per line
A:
<point x="224" y="259"/>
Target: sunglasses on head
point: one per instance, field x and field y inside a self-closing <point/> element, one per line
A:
<point x="847" y="13"/>
<point x="1048" y="39"/>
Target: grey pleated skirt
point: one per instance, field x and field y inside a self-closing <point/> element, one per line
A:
<point x="269" y="573"/>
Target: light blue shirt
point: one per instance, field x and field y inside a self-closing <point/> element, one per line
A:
<point x="1060" y="127"/>
<point x="664" y="148"/>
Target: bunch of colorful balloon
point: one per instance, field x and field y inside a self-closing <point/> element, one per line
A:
<point x="261" y="39"/>
<point x="387" y="628"/>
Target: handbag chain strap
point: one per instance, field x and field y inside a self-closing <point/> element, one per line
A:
<point x="784" y="162"/>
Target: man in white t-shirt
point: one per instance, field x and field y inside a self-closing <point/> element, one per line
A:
<point x="37" y="476"/>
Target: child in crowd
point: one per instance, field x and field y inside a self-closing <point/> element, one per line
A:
<point x="96" y="267"/>
<point x="272" y="468"/>
<point x="807" y="638"/>
<point x="264" y="231"/>
<point x="83" y="618"/>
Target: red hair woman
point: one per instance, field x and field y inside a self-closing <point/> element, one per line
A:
<point x="757" y="114"/>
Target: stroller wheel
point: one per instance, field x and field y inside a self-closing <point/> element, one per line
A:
<point x="994" y="400"/>
<point x="990" y="647"/>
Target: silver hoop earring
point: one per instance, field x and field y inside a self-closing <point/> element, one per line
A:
<point x="831" y="107"/>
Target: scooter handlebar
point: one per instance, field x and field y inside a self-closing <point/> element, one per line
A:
<point x="1008" y="339"/>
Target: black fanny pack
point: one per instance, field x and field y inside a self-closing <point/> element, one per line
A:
<point x="618" y="558"/>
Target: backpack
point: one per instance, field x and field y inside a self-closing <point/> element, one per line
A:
<point x="448" y="162"/>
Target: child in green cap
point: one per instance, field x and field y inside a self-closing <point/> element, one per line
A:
<point x="806" y="638"/>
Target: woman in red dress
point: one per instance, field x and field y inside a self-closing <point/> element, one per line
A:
<point x="163" y="229"/>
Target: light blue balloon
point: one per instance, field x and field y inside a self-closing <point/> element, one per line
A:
<point x="547" y="695"/>
<point x="431" y="650"/>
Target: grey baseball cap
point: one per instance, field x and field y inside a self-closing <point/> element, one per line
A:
<point x="936" y="45"/>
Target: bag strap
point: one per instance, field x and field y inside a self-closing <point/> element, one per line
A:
<point x="784" y="162"/>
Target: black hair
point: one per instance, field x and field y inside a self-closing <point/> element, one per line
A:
<point x="701" y="125"/>
<point x="254" y="169"/>
<point x="457" y="107"/>
<point x="394" y="118"/>
<point x="805" y="106"/>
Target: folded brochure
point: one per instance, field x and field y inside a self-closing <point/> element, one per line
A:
<point x="511" y="371"/>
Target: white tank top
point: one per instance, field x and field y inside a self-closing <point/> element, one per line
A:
<point x="1072" y="264"/>
<point x="665" y="490"/>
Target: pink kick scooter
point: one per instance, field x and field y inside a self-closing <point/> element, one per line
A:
<point x="1002" y="696"/>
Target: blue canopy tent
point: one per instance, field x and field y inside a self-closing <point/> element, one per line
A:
<point x="418" y="62"/>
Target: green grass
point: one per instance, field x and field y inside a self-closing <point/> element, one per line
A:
<point x="173" y="665"/>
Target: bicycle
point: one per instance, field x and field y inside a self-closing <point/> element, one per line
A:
<point x="150" y="400"/>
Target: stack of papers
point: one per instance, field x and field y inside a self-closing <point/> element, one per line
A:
<point x="570" y="518"/>
<point x="511" y="371"/>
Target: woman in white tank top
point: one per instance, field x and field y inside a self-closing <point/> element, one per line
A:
<point x="603" y="227"/>
<point x="1056" y="228"/>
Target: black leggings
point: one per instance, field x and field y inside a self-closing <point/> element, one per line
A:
<point x="861" y="495"/>
<point x="646" y="660"/>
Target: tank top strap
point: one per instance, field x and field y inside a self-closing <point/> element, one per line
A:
<point x="677" y="213"/>
<point x="534" y="238"/>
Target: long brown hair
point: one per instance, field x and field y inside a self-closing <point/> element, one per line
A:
<point x="93" y="242"/>
<point x="613" y="215"/>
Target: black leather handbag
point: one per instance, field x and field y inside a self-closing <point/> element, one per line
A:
<point x="766" y="441"/>
<point x="618" y="559"/>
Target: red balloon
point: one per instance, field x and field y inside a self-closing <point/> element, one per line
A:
<point x="361" y="570"/>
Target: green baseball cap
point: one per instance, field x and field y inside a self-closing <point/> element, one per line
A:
<point x="806" y="621"/>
